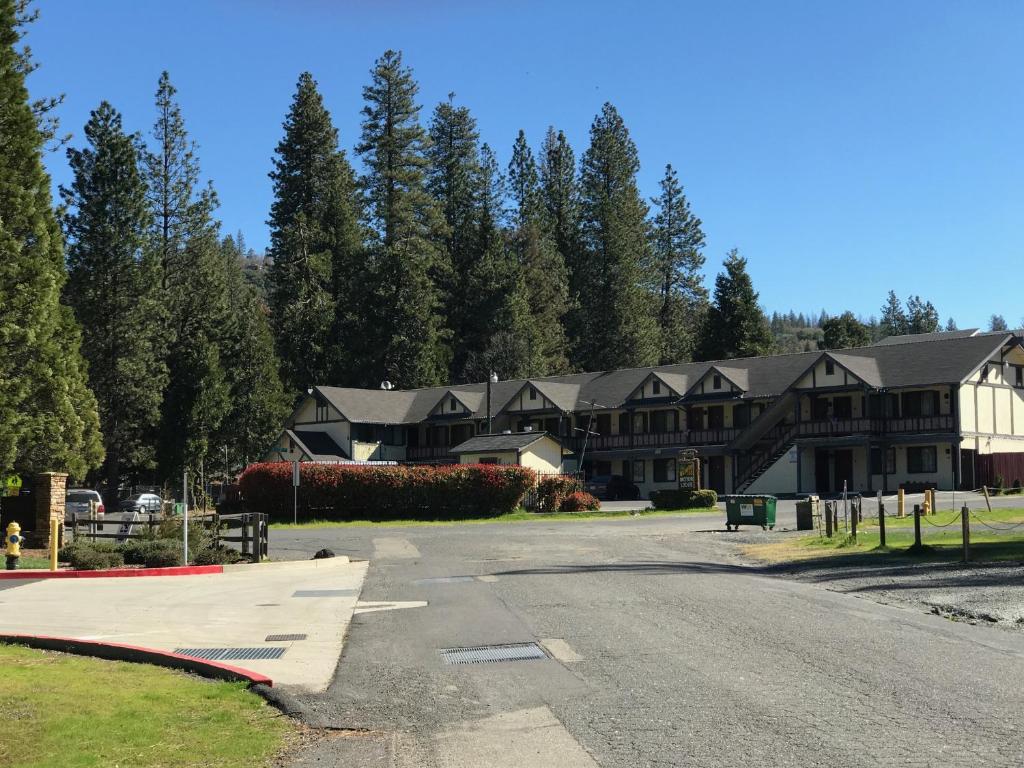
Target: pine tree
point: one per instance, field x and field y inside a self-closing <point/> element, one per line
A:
<point x="258" y="402"/>
<point x="614" y="324"/>
<point x="453" y="180"/>
<point x="113" y="289"/>
<point x="997" y="323"/>
<point x="894" y="320"/>
<point x="736" y="325"/>
<point x="48" y="415"/>
<point x="677" y="240"/>
<point x="316" y="247"/>
<point x="951" y="325"/>
<point x="561" y="197"/>
<point x="408" y="343"/>
<point x="544" y="277"/>
<point x="922" y="316"/>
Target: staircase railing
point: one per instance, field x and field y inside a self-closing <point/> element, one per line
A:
<point x="771" y="454"/>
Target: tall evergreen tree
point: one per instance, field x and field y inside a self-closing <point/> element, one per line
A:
<point x="677" y="240"/>
<point x="736" y="325"/>
<point x="453" y="180"/>
<point x="894" y="320"/>
<point x="316" y="247"/>
<point x="408" y="343"/>
<point x="614" y="323"/>
<point x="258" y="402"/>
<point x="113" y="289"/>
<point x="48" y="415"/>
<point x="951" y="325"/>
<point x="544" y="276"/>
<point x="843" y="332"/>
<point x="922" y="316"/>
<point x="997" y="323"/>
<point x="560" y="192"/>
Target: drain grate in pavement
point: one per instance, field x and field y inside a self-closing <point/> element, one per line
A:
<point x="283" y="638"/>
<point x="233" y="654"/>
<point x="325" y="593"/>
<point x="486" y="653"/>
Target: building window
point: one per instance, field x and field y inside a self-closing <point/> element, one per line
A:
<point x="638" y="471"/>
<point x="1020" y="376"/>
<point x="921" y="460"/>
<point x="603" y="467"/>
<point x="917" y="404"/>
<point x="716" y="383"/>
<point x="639" y="423"/>
<point x="321" y="410"/>
<point x="664" y="470"/>
<point x="452" y="404"/>
<point x="842" y="407"/>
<point x="533" y="393"/>
<point x="656" y="387"/>
<point x="489" y="460"/>
<point x="876" y="461"/>
<point x="830" y="368"/>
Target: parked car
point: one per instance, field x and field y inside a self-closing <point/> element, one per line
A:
<point x="141" y="502"/>
<point x="77" y="500"/>
<point x="611" y="488"/>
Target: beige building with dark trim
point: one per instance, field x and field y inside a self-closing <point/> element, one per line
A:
<point x="940" y="410"/>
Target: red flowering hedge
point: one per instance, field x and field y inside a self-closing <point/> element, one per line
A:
<point x="353" y="492"/>
<point x="579" y="501"/>
<point x="552" y="490"/>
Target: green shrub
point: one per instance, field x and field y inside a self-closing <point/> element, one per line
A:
<point x="579" y="501"/>
<point x="553" y="490"/>
<point x="90" y="556"/>
<point x="352" y="492"/>
<point x="678" y="498"/>
<point x="217" y="556"/>
<point x="163" y="553"/>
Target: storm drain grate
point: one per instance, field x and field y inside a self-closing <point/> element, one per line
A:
<point x="325" y="592"/>
<point x="283" y="638"/>
<point x="232" y="654"/>
<point x="485" y="653"/>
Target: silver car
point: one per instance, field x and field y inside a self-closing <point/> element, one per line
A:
<point x="77" y="500"/>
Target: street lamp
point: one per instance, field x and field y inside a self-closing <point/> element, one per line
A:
<point x="492" y="379"/>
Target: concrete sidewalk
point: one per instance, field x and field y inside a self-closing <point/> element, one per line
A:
<point x="239" y="608"/>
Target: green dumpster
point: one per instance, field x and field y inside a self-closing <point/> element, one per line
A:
<point x="749" y="510"/>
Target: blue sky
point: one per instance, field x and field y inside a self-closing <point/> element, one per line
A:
<point x="844" y="148"/>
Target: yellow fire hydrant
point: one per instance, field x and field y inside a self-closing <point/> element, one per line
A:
<point x="13" y="541"/>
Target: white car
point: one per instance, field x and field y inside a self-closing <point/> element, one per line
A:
<point x="77" y="500"/>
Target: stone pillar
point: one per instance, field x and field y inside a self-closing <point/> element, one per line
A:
<point x="49" y="490"/>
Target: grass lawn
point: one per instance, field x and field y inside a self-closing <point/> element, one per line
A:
<point x="943" y="543"/>
<point x="63" y="711"/>
<point x="518" y="516"/>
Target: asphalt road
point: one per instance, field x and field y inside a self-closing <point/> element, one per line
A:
<point x="664" y="651"/>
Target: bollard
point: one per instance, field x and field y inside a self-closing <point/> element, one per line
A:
<point x="13" y="541"/>
<point x="853" y="522"/>
<point x="925" y="505"/>
<point x="54" y="541"/>
<point x="965" y="527"/>
<point x="917" y="527"/>
<point x="828" y="519"/>
<point x="901" y="510"/>
<point x="881" y="521"/>
<point x="932" y="507"/>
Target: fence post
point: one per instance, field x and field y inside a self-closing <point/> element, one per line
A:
<point x="881" y="521"/>
<point x="828" y="519"/>
<point x="901" y="510"/>
<point x="965" y="527"/>
<point x="917" y="527"/>
<point x="854" y="516"/>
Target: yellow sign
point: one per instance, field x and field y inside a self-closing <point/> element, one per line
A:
<point x="12" y="485"/>
<point x="687" y="475"/>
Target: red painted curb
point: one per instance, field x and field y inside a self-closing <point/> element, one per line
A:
<point x="139" y="654"/>
<point x="178" y="570"/>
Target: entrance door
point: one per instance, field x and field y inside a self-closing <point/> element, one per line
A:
<point x="822" y="477"/>
<point x="716" y="473"/>
<point x="843" y="470"/>
<point x="716" y="417"/>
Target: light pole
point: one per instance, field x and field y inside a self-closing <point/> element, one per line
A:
<point x="492" y="379"/>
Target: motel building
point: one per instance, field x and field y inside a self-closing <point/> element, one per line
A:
<point x="943" y="410"/>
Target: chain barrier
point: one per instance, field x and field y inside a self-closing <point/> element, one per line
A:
<point x="993" y="527"/>
<point x="944" y="525"/>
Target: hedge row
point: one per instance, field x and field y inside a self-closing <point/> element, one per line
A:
<point x="683" y="499"/>
<point x="553" y="490"/>
<point x="352" y="492"/>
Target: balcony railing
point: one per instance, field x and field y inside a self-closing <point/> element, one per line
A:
<point x="656" y="439"/>
<point x="874" y="426"/>
<point x="429" y="453"/>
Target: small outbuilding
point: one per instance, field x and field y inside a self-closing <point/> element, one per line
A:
<point x="536" y="450"/>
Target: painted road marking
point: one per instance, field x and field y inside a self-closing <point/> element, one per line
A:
<point x="394" y="549"/>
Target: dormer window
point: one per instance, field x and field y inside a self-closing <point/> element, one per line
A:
<point x="533" y="393"/>
<point x="453" y="404"/>
<point x="716" y="383"/>
<point x="656" y="387"/>
<point x="830" y="368"/>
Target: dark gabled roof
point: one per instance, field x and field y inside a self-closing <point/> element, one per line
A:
<point x="319" y="446"/>
<point x="925" y="359"/>
<point x="513" y="441"/>
<point x="914" y="338"/>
